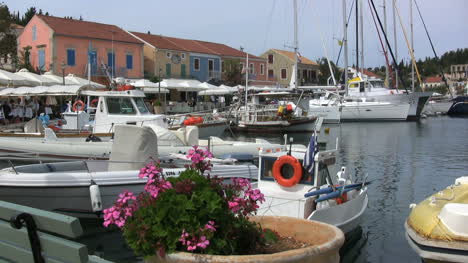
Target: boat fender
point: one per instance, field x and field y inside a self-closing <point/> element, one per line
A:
<point x="283" y="179"/>
<point x="95" y="195"/>
<point x="80" y="104"/>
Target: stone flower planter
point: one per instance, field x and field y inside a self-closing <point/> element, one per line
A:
<point x="326" y="242"/>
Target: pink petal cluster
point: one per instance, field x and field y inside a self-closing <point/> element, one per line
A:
<point x="156" y="182"/>
<point x="245" y="200"/>
<point x="199" y="157"/>
<point x="122" y="209"/>
<point x="194" y="241"/>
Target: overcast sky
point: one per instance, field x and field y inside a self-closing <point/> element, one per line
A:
<point x="259" y="25"/>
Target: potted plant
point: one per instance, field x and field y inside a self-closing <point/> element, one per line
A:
<point x="157" y="107"/>
<point x="199" y="218"/>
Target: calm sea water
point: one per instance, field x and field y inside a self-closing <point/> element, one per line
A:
<point x="406" y="162"/>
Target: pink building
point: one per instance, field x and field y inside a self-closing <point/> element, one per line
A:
<point x="68" y="44"/>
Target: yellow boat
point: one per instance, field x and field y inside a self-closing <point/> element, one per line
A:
<point x="437" y="228"/>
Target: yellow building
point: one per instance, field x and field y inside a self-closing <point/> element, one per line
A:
<point x="280" y="64"/>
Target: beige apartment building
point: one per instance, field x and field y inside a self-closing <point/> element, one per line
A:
<point x="280" y="64"/>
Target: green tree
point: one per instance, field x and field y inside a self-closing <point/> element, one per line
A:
<point x="24" y="59"/>
<point x="8" y="44"/>
<point x="28" y="16"/>
<point x="324" y="71"/>
<point x="232" y="72"/>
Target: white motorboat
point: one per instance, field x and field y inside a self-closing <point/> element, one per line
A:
<point x="180" y="141"/>
<point x="437" y="229"/>
<point x="83" y="188"/>
<point x="327" y="108"/>
<point x="291" y="189"/>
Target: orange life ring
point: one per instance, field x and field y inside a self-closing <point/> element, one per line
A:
<point x="290" y="160"/>
<point x="80" y="103"/>
<point x="94" y="103"/>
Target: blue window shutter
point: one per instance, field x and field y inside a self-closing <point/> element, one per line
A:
<point x="70" y="57"/>
<point x="129" y="61"/>
<point x="111" y="61"/>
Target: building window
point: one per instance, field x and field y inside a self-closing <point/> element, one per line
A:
<point x="183" y="55"/>
<point x="284" y="74"/>
<point x="270" y="59"/>
<point x="168" y="70"/>
<point x="70" y="57"/>
<point x="210" y="65"/>
<point x="262" y="69"/>
<point x="129" y="59"/>
<point x="34" y="36"/>
<point x="222" y="67"/>
<point x="251" y="68"/>
<point x="111" y="61"/>
<point x="270" y="73"/>
<point x="168" y="54"/>
<point x="196" y="64"/>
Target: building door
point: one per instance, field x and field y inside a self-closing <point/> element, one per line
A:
<point x="168" y="70"/>
<point x="41" y="59"/>
<point x="182" y="71"/>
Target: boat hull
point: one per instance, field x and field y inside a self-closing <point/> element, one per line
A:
<point x="417" y="101"/>
<point x="330" y="114"/>
<point x="374" y="112"/>
<point x="459" y="107"/>
<point x="346" y="216"/>
<point x="68" y="191"/>
<point x="298" y="125"/>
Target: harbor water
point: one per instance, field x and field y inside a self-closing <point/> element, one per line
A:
<point x="405" y="162"/>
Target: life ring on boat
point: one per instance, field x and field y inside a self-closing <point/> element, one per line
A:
<point x="284" y="180"/>
<point x="78" y="103"/>
<point x="94" y="103"/>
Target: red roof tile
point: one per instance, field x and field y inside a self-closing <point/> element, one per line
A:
<point x="433" y="79"/>
<point x="189" y="45"/>
<point x="290" y="55"/>
<point x="78" y="28"/>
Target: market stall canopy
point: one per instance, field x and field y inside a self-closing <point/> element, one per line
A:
<point x="182" y="84"/>
<point x="57" y="90"/>
<point x="11" y="79"/>
<point x="36" y="78"/>
<point x="81" y="81"/>
<point x="58" y="79"/>
<point x="148" y="86"/>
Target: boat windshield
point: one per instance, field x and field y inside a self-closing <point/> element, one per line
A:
<point x="120" y="106"/>
<point x="140" y="103"/>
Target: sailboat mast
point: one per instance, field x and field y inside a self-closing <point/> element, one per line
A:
<point x="362" y="34"/>
<point x="395" y="43"/>
<point x="296" y="44"/>
<point x="385" y="32"/>
<point x="246" y="83"/>
<point x="357" y="37"/>
<point x="412" y="44"/>
<point x="345" y="43"/>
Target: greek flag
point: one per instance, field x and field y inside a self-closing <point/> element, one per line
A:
<point x="308" y="161"/>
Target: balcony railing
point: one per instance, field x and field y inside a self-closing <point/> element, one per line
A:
<point x="213" y="74"/>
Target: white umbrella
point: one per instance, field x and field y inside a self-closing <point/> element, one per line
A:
<point x="212" y="90"/>
<point x="231" y="89"/>
<point x="56" y="90"/>
<point x="81" y="81"/>
<point x="11" y="79"/>
<point x="40" y="80"/>
<point x="182" y="84"/>
<point x="149" y="87"/>
<point x="58" y="79"/>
